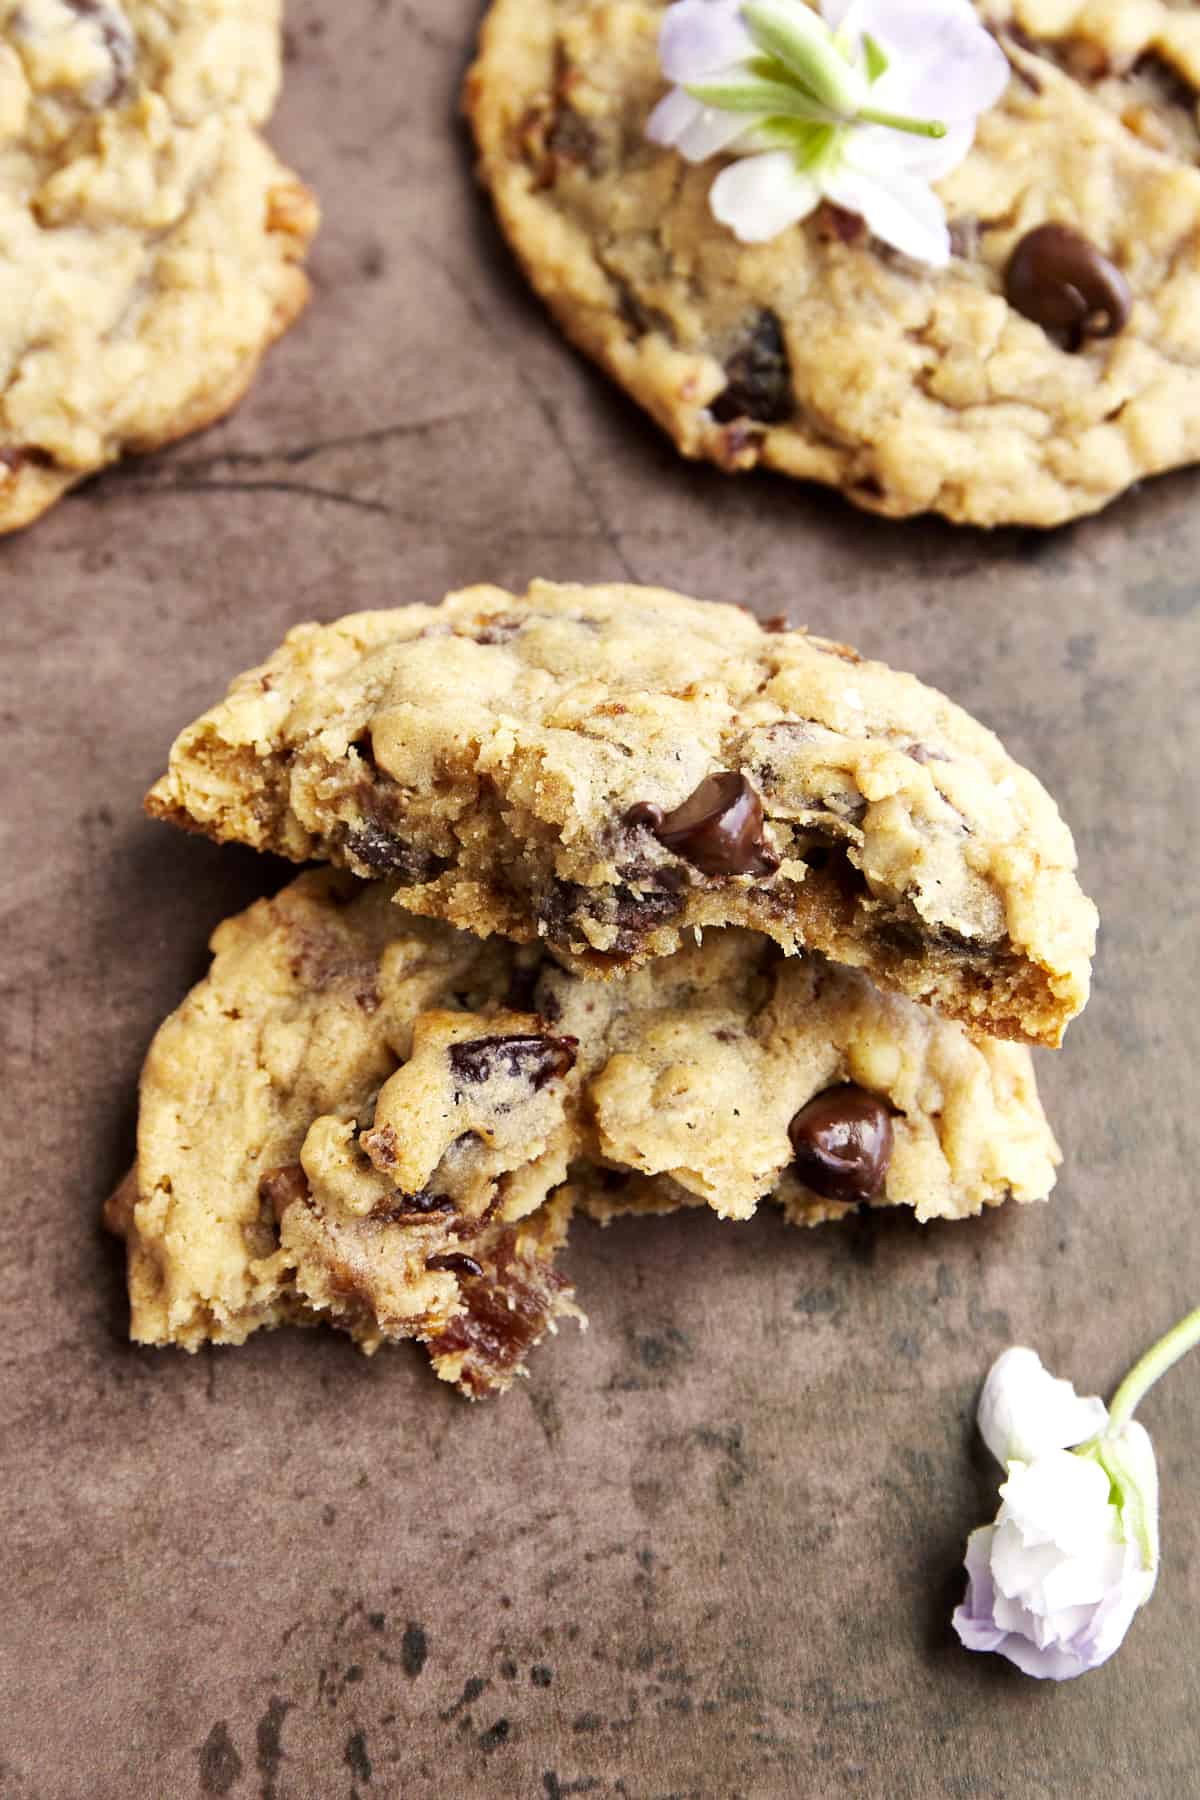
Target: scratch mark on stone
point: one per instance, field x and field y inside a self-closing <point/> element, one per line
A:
<point x="310" y="490"/>
<point x="607" y="530"/>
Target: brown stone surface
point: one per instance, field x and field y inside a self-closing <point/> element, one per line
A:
<point x="709" y="1549"/>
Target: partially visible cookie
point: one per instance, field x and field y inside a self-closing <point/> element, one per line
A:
<point x="823" y="354"/>
<point x="242" y="1212"/>
<point x="152" y="240"/>
<point x="609" y="769"/>
<point x="380" y="1122"/>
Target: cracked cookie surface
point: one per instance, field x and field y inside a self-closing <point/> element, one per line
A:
<point x="380" y="1122"/>
<point x="821" y="353"/>
<point x="609" y="769"/>
<point x="152" y="240"/>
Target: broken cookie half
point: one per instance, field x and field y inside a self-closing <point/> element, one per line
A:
<point x="608" y="769"/>
<point x="383" y="1123"/>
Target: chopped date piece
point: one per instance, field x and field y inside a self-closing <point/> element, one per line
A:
<point x="843" y="1143"/>
<point x="759" y="377"/>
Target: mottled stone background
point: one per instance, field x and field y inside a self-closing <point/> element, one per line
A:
<point x="709" y="1549"/>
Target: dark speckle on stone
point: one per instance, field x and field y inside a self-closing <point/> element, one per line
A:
<point x="354" y="1672"/>
<point x="414" y="1649"/>
<point x="1081" y="651"/>
<point x="540" y="1675"/>
<point x="508" y="1669"/>
<point x="587" y="1721"/>
<point x="817" y="1302"/>
<point x="471" y="1692"/>
<point x="372" y="261"/>
<point x="357" y="1760"/>
<point x="220" y="1764"/>
<point x="494" y="1736"/>
<point x="1164" y="599"/>
<point x="377" y="1620"/>
<point x="665" y="1349"/>
<point x="269" y="1744"/>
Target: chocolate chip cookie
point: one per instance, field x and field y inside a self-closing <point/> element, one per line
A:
<point x="152" y="241"/>
<point x="375" y="1120"/>
<point x="824" y="354"/>
<point x="611" y="769"/>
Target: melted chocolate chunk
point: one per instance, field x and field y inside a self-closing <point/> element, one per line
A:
<point x="759" y="377"/>
<point x="843" y="1144"/>
<point x="536" y="1059"/>
<point x="282" y="1187"/>
<point x="1061" y="281"/>
<point x="454" y="1262"/>
<point x="719" y="828"/>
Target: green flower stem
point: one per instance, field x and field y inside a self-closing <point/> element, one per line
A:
<point x="930" y="128"/>
<point x="1157" y="1360"/>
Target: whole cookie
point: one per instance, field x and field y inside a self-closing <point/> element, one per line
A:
<point x="826" y="355"/>
<point x="152" y="241"/>
<point x="610" y="768"/>
<point x="375" y="1120"/>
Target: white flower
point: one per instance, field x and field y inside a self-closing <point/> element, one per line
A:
<point x="864" y="104"/>
<point x="1053" y="1585"/>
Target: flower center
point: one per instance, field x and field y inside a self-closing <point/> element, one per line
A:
<point x="806" y="87"/>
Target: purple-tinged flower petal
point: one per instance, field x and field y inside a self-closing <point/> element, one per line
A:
<point x="929" y="159"/>
<point x="1024" y="1411"/>
<point x="898" y="208"/>
<point x="702" y="37"/>
<point x="760" y="196"/>
<point x="696" y="131"/>
<point x="943" y="64"/>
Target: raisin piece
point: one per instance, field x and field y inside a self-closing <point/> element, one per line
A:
<point x="758" y="377"/>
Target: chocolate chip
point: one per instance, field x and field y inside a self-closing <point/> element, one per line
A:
<point x="719" y="828"/>
<point x="758" y="377"/>
<point x="406" y="1207"/>
<point x="454" y="1262"/>
<point x="536" y="1059"/>
<point x="1061" y="281"/>
<point x="281" y="1187"/>
<point x="843" y="1144"/>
